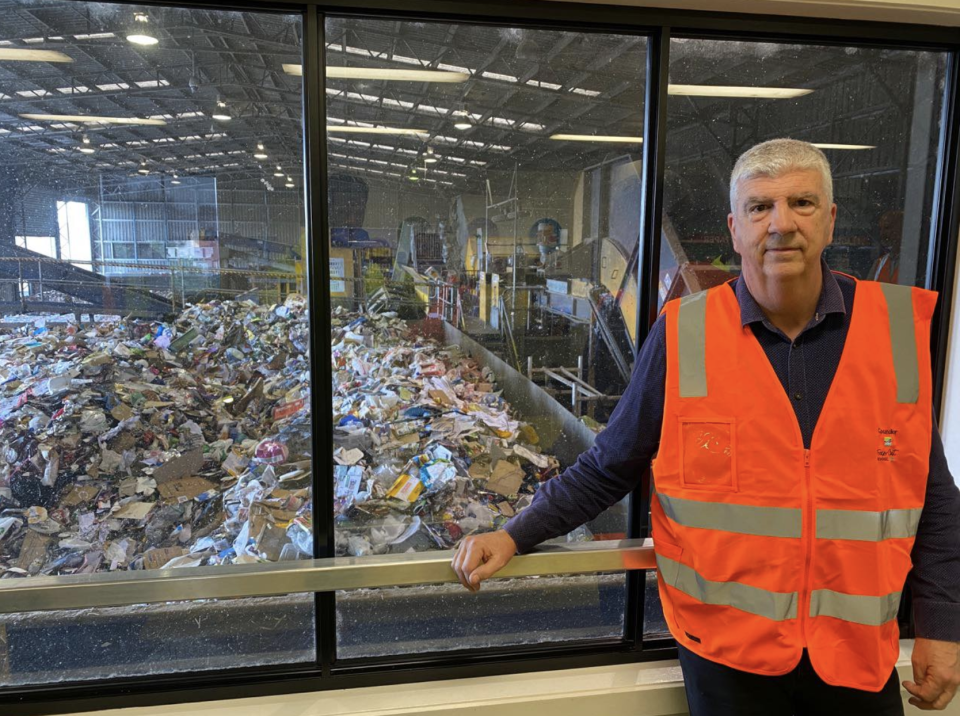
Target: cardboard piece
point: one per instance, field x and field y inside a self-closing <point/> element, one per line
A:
<point x="134" y="510"/>
<point x="34" y="549"/>
<point x="506" y="478"/>
<point x="184" y="466"/>
<point x="159" y="556"/>
<point x="184" y="489"/>
<point x="79" y="495"/>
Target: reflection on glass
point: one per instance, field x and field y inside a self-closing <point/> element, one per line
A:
<point x="874" y="112"/>
<point x="110" y="642"/>
<point x="509" y="612"/>
<point x="484" y="223"/>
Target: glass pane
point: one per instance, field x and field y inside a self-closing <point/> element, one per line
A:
<point x="110" y="642"/>
<point x="484" y="217"/>
<point x="154" y="372"/>
<point x="876" y="110"/>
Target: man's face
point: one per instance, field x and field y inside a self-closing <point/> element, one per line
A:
<point x="781" y="225"/>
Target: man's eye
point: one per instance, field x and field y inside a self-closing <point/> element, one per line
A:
<point x="804" y="202"/>
<point x="756" y="208"/>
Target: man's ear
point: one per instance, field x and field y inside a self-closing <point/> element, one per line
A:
<point x="732" y="226"/>
<point x="833" y="223"/>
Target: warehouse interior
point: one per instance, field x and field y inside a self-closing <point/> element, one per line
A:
<point x="484" y="191"/>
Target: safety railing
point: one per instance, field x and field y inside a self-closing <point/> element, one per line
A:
<point x="319" y="575"/>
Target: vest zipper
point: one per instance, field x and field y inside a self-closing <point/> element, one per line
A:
<point x="809" y="519"/>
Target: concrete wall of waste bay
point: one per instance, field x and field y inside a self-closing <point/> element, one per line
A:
<point x="561" y="433"/>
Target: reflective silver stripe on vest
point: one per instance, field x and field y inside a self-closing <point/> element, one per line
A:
<point x="903" y="337"/>
<point x="742" y="519"/>
<point x="777" y="606"/>
<point x="692" y="345"/>
<point x="867" y="526"/>
<point x="870" y="611"/>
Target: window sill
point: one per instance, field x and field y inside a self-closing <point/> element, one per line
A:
<point x="644" y="689"/>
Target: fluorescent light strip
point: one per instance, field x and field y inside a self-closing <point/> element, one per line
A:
<point x="595" y="138"/>
<point x="498" y="76"/>
<point x="17" y="55"/>
<point x="845" y="146"/>
<point x="376" y="130"/>
<point x="88" y="119"/>
<point x="723" y="91"/>
<point x="379" y="73"/>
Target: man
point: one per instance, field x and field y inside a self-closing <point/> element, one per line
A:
<point x="799" y="473"/>
<point x="548" y="243"/>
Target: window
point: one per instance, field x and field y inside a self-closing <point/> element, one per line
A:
<point x="140" y="146"/>
<point x="491" y="209"/>
<point x="874" y="112"/>
<point x="74" y="233"/>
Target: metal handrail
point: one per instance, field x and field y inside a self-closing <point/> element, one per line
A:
<point x="84" y="591"/>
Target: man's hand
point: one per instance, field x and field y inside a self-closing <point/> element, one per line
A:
<point x="480" y="556"/>
<point x="936" y="673"/>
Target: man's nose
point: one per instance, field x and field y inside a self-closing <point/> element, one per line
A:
<point x="782" y="219"/>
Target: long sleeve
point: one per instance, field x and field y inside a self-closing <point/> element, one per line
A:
<point x="935" y="579"/>
<point x="610" y="469"/>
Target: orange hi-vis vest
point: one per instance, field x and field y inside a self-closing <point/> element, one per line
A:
<point x="765" y="548"/>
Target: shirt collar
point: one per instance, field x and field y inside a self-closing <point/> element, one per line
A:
<point x="831" y="298"/>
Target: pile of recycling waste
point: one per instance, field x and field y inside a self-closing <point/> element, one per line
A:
<point x="427" y="449"/>
<point x="136" y="444"/>
<point x="133" y="444"/>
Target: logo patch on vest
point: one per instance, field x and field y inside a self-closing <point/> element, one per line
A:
<point x="887" y="452"/>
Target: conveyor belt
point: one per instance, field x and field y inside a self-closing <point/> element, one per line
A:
<point x="86" y="286"/>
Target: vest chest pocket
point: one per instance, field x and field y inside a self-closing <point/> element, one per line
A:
<point x="708" y="455"/>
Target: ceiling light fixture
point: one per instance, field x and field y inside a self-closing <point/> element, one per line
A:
<point x="85" y="145"/>
<point x="260" y="155"/>
<point x="139" y="33"/>
<point x="175" y="180"/>
<point x="431" y="157"/>
<point x="595" y="138"/>
<point x="379" y="73"/>
<point x="375" y="130"/>
<point x="221" y="113"/>
<point x="724" y="91"/>
<point x="279" y="172"/>
<point x="89" y="119"/>
<point x="17" y="55"/>
<point x="143" y="168"/>
<point x="289" y="185"/>
<point x="845" y="146"/>
<point x="462" y="126"/>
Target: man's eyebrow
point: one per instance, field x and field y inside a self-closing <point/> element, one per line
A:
<point x="793" y="197"/>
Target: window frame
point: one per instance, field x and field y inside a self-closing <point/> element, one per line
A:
<point x="658" y="26"/>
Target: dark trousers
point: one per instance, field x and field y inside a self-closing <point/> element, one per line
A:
<point x="717" y="690"/>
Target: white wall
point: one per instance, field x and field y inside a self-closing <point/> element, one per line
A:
<point x="950" y="417"/>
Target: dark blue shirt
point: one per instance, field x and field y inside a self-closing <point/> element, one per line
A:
<point x="612" y="468"/>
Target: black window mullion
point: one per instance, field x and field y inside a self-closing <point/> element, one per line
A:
<point x="941" y="269"/>
<point x="654" y="148"/>
<point x="318" y="282"/>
